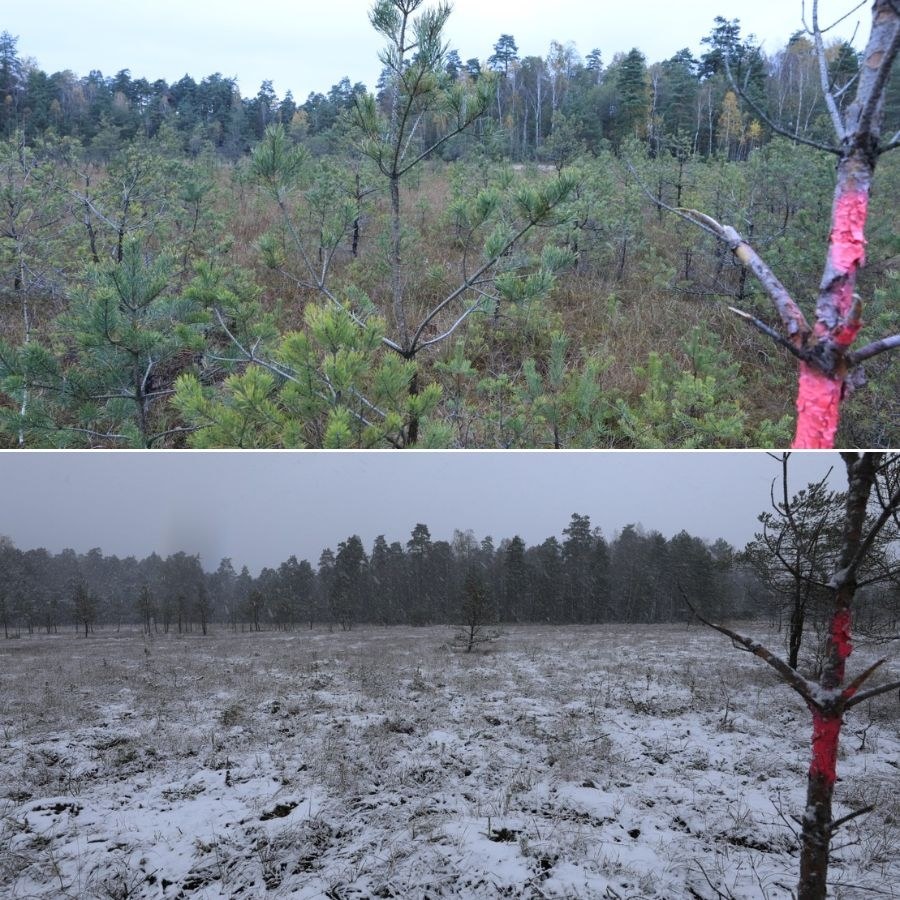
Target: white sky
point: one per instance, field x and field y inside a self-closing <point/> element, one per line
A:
<point x="259" y="508"/>
<point x="308" y="46"/>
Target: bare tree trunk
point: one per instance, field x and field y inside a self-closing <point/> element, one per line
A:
<point x="359" y="196"/>
<point x="830" y="697"/>
<point x="827" y="719"/>
<point x="396" y="264"/>
<point x="412" y="430"/>
<point x="795" y="634"/>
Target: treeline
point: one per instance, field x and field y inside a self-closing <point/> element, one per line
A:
<point x="544" y="107"/>
<point x="636" y="577"/>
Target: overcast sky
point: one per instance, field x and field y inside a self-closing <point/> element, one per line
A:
<point x="308" y="46"/>
<point x="259" y="508"/>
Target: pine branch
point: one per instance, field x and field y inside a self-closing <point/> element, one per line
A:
<point x="791" y="315"/>
<point x="285" y="373"/>
<point x="443" y="336"/>
<point x="761" y="326"/>
<point x="467" y="284"/>
<point x="170" y="431"/>
<point x="836" y="22"/>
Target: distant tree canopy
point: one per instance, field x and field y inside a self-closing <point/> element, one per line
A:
<point x="583" y="579"/>
<point x="637" y="576"/>
<point x="679" y="96"/>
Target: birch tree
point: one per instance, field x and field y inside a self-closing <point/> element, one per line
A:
<point x="30" y="213"/>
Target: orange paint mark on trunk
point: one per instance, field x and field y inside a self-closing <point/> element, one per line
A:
<point x="818" y="409"/>
<point x="826" y="732"/>
<point x="848" y="239"/>
<point x="849" y="311"/>
<point x="840" y="634"/>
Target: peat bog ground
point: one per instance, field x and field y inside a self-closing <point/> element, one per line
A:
<point x="603" y="761"/>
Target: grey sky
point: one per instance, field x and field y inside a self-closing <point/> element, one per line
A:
<point x="311" y="45"/>
<point x="259" y="508"/>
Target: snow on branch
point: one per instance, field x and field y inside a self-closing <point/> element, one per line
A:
<point x="808" y="690"/>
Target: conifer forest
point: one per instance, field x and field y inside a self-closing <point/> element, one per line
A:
<point x="508" y="252"/>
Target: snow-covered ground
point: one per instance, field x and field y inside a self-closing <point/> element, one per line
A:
<point x="608" y="762"/>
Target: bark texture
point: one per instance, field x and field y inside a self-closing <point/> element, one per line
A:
<point x="830" y="697"/>
<point x="824" y="348"/>
<point x="827" y="715"/>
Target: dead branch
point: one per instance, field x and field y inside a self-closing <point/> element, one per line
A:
<point x="872" y="692"/>
<point x="850" y="817"/>
<point x="836" y="120"/>
<point x="790" y="676"/>
<point x="874" y="349"/>
<point x="887" y="513"/>
<point x="768" y="331"/>
<point x="861" y="679"/>
<point x="792" y="317"/>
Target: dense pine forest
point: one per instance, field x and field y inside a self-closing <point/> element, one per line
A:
<point x="474" y="254"/>
<point x="636" y="576"/>
<point x="419" y="581"/>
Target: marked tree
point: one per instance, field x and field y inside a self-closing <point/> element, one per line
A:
<point x="871" y="505"/>
<point x="829" y="369"/>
